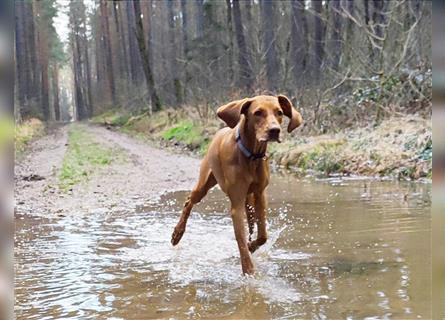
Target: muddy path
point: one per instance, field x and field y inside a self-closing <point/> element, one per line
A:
<point x="144" y="175"/>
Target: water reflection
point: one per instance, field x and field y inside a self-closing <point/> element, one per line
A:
<point x="337" y="249"/>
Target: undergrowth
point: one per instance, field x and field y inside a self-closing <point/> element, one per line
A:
<point x="398" y="147"/>
<point x="25" y="132"/>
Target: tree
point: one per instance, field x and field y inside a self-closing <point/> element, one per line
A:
<point x="230" y="39"/>
<point x="317" y="7"/>
<point x="299" y="43"/>
<point x="269" y="40"/>
<point x="244" y="64"/>
<point x="174" y="65"/>
<point x="336" y="39"/>
<point x="20" y="57"/>
<point x="106" y="39"/>
<point x="155" y="101"/>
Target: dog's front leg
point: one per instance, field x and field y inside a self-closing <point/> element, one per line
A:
<point x="260" y="212"/>
<point x="238" y="214"/>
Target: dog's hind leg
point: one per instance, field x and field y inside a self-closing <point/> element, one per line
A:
<point x="250" y="213"/>
<point x="205" y="183"/>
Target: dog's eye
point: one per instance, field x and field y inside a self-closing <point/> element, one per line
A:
<point x="280" y="113"/>
<point x="258" y="113"/>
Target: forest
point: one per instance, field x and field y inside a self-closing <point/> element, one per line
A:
<point x="340" y="61"/>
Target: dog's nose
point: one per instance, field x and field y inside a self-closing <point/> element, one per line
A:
<point x="274" y="133"/>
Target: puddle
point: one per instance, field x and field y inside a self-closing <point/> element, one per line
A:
<point x="337" y="248"/>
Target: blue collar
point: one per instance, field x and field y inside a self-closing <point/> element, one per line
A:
<point x="249" y="155"/>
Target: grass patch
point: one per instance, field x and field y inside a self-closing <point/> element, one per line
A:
<point x="26" y="132"/>
<point x="189" y="134"/>
<point x="82" y="158"/>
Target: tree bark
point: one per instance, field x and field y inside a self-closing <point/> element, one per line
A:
<point x="44" y="61"/>
<point x="298" y="40"/>
<point x="245" y="68"/>
<point x="336" y="34"/>
<point x="185" y="45"/>
<point x="56" y="103"/>
<point x="133" y="45"/>
<point x="155" y="101"/>
<point x="269" y="40"/>
<point x="120" y="44"/>
<point x="199" y="16"/>
<point x="20" y="57"/>
<point x="318" y="39"/>
<point x="174" y="65"/>
<point x="230" y="37"/>
<point x="107" y="49"/>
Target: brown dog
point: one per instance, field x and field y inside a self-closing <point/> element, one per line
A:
<point x="236" y="160"/>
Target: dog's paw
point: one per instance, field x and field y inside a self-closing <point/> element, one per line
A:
<point x="252" y="246"/>
<point x="177" y="235"/>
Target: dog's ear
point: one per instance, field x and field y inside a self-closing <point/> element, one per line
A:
<point x="231" y="112"/>
<point x="290" y="112"/>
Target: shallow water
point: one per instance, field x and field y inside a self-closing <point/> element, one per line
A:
<point x="337" y="249"/>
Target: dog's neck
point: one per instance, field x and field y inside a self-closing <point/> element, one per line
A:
<point x="249" y="139"/>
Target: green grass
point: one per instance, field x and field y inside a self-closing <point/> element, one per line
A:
<point x="188" y="133"/>
<point x="25" y="132"/>
<point x="82" y="158"/>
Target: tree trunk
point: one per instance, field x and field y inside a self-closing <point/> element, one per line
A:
<point x="32" y="65"/>
<point x="120" y="42"/>
<point x="245" y="68"/>
<point x="298" y="40"/>
<point x="124" y="44"/>
<point x="155" y="101"/>
<point x="55" y="78"/>
<point x="378" y="16"/>
<point x="336" y="34"/>
<point x="199" y="16"/>
<point x="20" y="57"/>
<point x="318" y="39"/>
<point x="107" y="48"/>
<point x="44" y="62"/>
<point x="174" y="65"/>
<point x="89" y="83"/>
<point x="272" y="65"/>
<point x="185" y="44"/>
<point x="133" y="45"/>
<point x="230" y="37"/>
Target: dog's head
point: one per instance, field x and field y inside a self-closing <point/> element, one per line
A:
<point x="264" y="115"/>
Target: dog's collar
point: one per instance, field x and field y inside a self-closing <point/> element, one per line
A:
<point x="249" y="155"/>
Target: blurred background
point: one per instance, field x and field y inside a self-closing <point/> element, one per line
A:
<point x="438" y="216"/>
<point x="6" y="158"/>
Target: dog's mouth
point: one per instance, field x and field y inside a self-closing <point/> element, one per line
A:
<point x="270" y="139"/>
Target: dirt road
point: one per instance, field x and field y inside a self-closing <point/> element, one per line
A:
<point x="145" y="173"/>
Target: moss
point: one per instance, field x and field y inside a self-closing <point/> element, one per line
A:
<point x="83" y="156"/>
